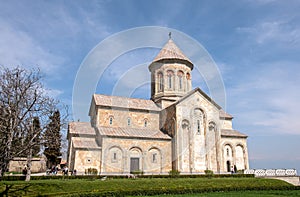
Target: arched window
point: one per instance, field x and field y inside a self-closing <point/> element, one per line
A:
<point x="160" y="82"/>
<point x="111" y="118"/>
<point x="198" y="127"/>
<point x="180" y="80"/>
<point x="154" y="157"/>
<point x="198" y="121"/>
<point x="212" y="126"/>
<point x="188" y="76"/>
<point x="170" y="75"/>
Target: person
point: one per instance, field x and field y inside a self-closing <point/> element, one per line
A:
<point x="232" y="170"/>
<point x="24" y="171"/>
<point x="66" y="170"/>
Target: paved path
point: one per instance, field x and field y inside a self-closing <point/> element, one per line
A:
<point x="295" y="180"/>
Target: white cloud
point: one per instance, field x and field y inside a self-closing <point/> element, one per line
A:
<point x="20" y="49"/>
<point x="273" y="31"/>
<point x="268" y="100"/>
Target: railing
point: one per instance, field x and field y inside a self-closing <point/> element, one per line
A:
<point x="271" y="172"/>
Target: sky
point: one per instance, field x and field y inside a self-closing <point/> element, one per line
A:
<point x="255" y="45"/>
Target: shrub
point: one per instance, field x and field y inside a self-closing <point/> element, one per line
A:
<point x="91" y="171"/>
<point x="174" y="173"/>
<point x="240" y="172"/>
<point x="208" y="172"/>
<point x="137" y="172"/>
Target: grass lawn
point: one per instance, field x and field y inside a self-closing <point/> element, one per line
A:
<point x="144" y="186"/>
<point x="268" y="193"/>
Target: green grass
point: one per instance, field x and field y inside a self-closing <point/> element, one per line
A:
<point x="264" y="193"/>
<point x="139" y="186"/>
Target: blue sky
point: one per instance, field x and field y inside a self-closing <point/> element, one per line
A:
<point x="255" y="44"/>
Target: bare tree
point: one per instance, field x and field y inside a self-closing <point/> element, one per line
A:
<point x="22" y="99"/>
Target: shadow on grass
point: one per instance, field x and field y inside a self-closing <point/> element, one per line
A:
<point x="15" y="191"/>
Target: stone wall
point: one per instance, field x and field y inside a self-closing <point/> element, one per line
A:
<point x="120" y="118"/>
<point x="85" y="159"/>
<point x="234" y="152"/>
<point x="197" y="143"/>
<point x="19" y="163"/>
<point x="154" y="156"/>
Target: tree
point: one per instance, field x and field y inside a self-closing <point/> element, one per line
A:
<point x="22" y="99"/>
<point x="53" y="136"/>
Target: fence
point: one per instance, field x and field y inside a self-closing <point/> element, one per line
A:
<point x="271" y="172"/>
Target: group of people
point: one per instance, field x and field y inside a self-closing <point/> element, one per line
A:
<point x="65" y="171"/>
<point x="54" y="170"/>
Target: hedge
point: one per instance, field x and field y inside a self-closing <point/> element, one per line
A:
<point x="51" y="177"/>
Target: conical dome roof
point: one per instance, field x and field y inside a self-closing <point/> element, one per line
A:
<point x="172" y="52"/>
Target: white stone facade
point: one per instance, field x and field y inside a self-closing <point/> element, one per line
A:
<point x="179" y="128"/>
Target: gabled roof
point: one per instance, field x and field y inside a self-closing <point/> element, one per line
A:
<point x="222" y="113"/>
<point x="80" y="142"/>
<point x="171" y="51"/>
<point x="132" y="133"/>
<point x="232" y="133"/>
<point x="225" y="115"/>
<point x="81" y="128"/>
<point x="202" y="93"/>
<point x="124" y="102"/>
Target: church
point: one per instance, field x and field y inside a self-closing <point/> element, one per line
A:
<point x="179" y="128"/>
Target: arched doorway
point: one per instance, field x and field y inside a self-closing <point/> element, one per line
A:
<point x="228" y="166"/>
<point x="135" y="159"/>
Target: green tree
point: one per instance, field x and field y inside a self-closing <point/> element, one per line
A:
<point x="52" y="138"/>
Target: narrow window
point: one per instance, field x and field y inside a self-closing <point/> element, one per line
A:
<point x="188" y="76"/>
<point x="170" y="81"/>
<point x="227" y="152"/>
<point x="180" y="79"/>
<point x="154" y="157"/>
<point x="111" y="120"/>
<point x="128" y="121"/>
<point x="198" y="126"/>
<point x="114" y="157"/>
<point x="145" y="123"/>
<point x="160" y="81"/>
<point x="180" y="82"/>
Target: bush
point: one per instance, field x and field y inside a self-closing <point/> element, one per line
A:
<point x="137" y="172"/>
<point x="174" y="173"/>
<point x="91" y="171"/>
<point x="240" y="172"/>
<point x="208" y="172"/>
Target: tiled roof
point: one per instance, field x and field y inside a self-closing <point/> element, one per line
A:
<point x="80" y="142"/>
<point x="171" y="51"/>
<point x="225" y="115"/>
<point x="124" y="102"/>
<point x="132" y="132"/>
<point x="81" y="128"/>
<point x="232" y="133"/>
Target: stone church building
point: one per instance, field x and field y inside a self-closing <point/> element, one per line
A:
<point x="179" y="128"/>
